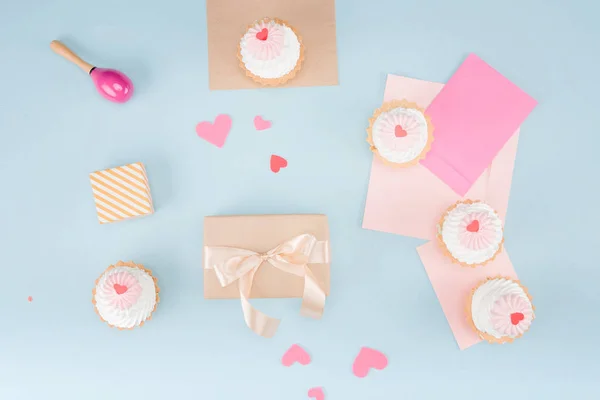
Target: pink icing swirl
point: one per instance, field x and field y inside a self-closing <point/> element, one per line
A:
<point x="122" y="289"/>
<point x="267" y="49"/>
<point x="477" y="231"/>
<point x="391" y="126"/>
<point x="511" y="315"/>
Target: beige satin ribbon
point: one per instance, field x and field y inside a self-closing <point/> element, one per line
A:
<point x="231" y="264"/>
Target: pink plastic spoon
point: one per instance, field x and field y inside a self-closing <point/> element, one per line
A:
<point x="111" y="84"/>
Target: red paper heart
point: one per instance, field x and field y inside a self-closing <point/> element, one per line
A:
<point x="120" y="289"/>
<point x="277" y="163"/>
<point x="473" y="226"/>
<point x="517" y="317"/>
<point x="262" y="35"/>
<point x="399" y="131"/>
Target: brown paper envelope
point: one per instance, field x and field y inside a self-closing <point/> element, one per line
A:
<point x="261" y="233"/>
<point x="314" y="20"/>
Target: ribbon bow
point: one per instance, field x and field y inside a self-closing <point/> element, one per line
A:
<point x="233" y="264"/>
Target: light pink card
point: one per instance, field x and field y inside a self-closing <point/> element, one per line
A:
<point x="473" y="116"/>
<point x="410" y="201"/>
<point x="453" y="284"/>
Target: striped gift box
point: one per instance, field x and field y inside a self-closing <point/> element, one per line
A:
<point x="121" y="193"/>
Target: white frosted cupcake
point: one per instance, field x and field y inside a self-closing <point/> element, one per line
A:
<point x="271" y="51"/>
<point x="470" y="232"/>
<point x="125" y="295"/>
<point x="400" y="133"/>
<point x="500" y="310"/>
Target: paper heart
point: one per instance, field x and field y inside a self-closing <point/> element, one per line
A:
<point x="277" y="163"/>
<point x="473" y="226"/>
<point x="295" y="354"/>
<point x="263" y="34"/>
<point x="517" y="317"/>
<point x="316" y="393"/>
<point x="260" y="124"/>
<point x="216" y="132"/>
<point x="120" y="289"/>
<point x="399" y="131"/>
<point x="366" y="359"/>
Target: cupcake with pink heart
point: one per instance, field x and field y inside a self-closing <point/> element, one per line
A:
<point x="400" y="133"/>
<point x="471" y="233"/>
<point x="125" y="295"/>
<point x="500" y="310"/>
<point x="271" y="51"/>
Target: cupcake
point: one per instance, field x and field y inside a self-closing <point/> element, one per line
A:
<point x="271" y="51"/>
<point x="126" y="295"/>
<point x="500" y="310"/>
<point x="470" y="233"/>
<point x="400" y="133"/>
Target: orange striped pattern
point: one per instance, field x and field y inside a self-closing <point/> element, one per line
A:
<point x="121" y="193"/>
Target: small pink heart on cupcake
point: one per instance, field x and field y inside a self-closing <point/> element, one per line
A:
<point x="260" y="124"/>
<point x="399" y="131"/>
<point x="263" y="34"/>
<point x="120" y="289"/>
<point x="473" y="226"/>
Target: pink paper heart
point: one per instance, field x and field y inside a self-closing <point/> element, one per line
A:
<point x="216" y="132"/>
<point x="295" y="354"/>
<point x="260" y="124"/>
<point x="316" y="393"/>
<point x="366" y="359"/>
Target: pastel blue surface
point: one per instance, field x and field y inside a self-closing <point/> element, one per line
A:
<point x="55" y="129"/>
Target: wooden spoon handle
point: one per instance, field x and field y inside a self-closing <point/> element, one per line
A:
<point x="64" y="51"/>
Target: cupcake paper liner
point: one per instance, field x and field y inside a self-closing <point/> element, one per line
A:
<point x="132" y="265"/>
<point x="445" y="249"/>
<point x="485" y="336"/>
<point x="273" y="81"/>
<point x="390" y="105"/>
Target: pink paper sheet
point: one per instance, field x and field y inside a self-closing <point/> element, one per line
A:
<point x="410" y="201"/>
<point x="453" y="284"/>
<point x="473" y="116"/>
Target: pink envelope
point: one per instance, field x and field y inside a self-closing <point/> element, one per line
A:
<point x="473" y="116"/>
<point x="410" y="201"/>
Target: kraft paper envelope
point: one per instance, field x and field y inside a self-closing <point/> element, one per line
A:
<point x="314" y="20"/>
<point x="261" y="233"/>
<point x="473" y="117"/>
<point x="410" y="201"/>
<point x="453" y="285"/>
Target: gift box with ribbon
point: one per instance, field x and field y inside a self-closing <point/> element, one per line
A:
<point x="267" y="256"/>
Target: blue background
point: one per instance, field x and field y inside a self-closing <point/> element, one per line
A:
<point x="55" y="130"/>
